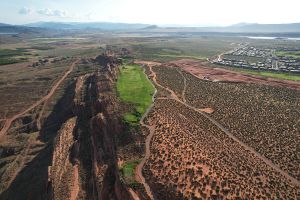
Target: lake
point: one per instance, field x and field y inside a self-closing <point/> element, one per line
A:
<point x="272" y="38"/>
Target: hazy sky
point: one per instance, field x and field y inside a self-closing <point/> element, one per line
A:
<point x="183" y="12"/>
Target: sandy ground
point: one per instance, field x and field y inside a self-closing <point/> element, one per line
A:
<point x="75" y="186"/>
<point x="138" y="170"/>
<point x="149" y="63"/>
<point x="207" y="110"/>
<point x="248" y="148"/>
<point x="9" y="121"/>
<point x="200" y="70"/>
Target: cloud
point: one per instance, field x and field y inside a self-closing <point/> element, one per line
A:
<point x="56" y="13"/>
<point x="25" y="11"/>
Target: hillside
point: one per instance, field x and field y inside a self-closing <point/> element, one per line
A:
<point x="236" y="28"/>
<point x="89" y="25"/>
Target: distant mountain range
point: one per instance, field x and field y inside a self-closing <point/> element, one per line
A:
<point x="2" y="24"/>
<point x="238" y="28"/>
<point x="7" y="28"/>
<point x="266" y="28"/>
<point x="89" y="25"/>
<point x="109" y="26"/>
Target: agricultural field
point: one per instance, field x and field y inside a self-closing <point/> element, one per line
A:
<point x="293" y="54"/>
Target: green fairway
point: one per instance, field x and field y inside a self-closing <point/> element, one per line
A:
<point x="134" y="87"/>
<point x="128" y="169"/>
<point x="278" y="75"/>
<point x="295" y="54"/>
<point x="131" y="118"/>
<point x="285" y="76"/>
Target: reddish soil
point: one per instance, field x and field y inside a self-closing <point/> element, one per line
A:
<point x="138" y="170"/>
<point x="200" y="70"/>
<point x="167" y="160"/>
<point x="207" y="110"/>
<point x="149" y="63"/>
<point x="75" y="188"/>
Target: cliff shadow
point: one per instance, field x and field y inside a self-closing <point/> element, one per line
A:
<point x="32" y="181"/>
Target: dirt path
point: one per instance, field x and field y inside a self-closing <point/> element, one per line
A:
<point x="153" y="74"/>
<point x="248" y="148"/>
<point x="184" y="85"/>
<point x="133" y="194"/>
<point x="9" y="121"/>
<point x="139" y="168"/>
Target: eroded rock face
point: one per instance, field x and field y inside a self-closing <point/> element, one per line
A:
<point x="63" y="174"/>
<point x="84" y="161"/>
<point x="105" y="169"/>
<point x="105" y="60"/>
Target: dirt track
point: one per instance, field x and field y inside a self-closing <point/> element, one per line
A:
<point x="133" y="194"/>
<point x="198" y="69"/>
<point x="140" y="166"/>
<point x="9" y="121"/>
<point x="184" y="87"/>
<point x="248" y="148"/>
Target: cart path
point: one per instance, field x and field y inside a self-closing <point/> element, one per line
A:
<point x="133" y="194"/>
<point x="229" y="134"/>
<point x="140" y="166"/>
<point x="9" y="121"/>
<point x="184" y="85"/>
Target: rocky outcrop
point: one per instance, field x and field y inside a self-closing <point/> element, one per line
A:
<point x="105" y="60"/>
<point x="79" y="104"/>
<point x="63" y="173"/>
